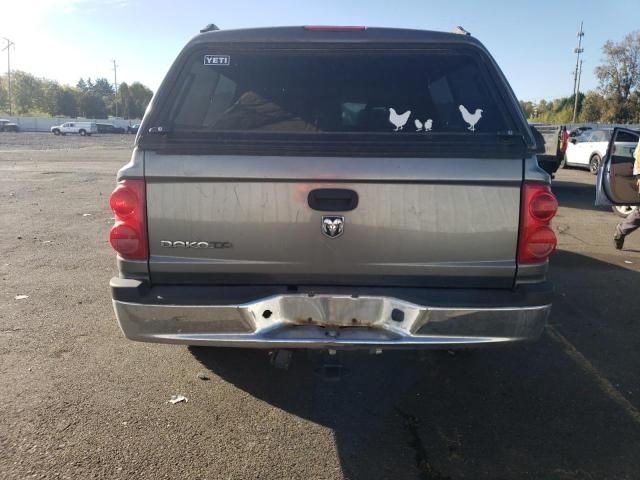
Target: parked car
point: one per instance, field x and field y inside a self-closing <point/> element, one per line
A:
<point x="109" y="128"/>
<point x="80" y="128"/>
<point x="577" y="131"/>
<point x="377" y="189"/>
<point x="616" y="185"/>
<point x="552" y="142"/>
<point x="589" y="148"/>
<point x="8" y="126"/>
<point x="133" y="128"/>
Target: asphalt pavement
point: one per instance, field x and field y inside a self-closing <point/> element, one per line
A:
<point x="80" y="401"/>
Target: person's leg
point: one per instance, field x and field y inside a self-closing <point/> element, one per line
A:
<point x="631" y="223"/>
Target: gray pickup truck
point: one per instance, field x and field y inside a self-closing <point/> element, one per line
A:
<point x="333" y="187"/>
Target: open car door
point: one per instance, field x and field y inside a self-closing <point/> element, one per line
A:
<point x="616" y="183"/>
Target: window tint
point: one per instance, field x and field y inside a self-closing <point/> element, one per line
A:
<point x="584" y="137"/>
<point x="623" y="136"/>
<point x="390" y="92"/>
<point x="600" y="136"/>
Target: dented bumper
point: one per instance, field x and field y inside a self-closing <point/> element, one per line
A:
<point x="323" y="320"/>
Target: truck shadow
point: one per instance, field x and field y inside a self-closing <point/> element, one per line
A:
<point x="577" y="195"/>
<point x="527" y="411"/>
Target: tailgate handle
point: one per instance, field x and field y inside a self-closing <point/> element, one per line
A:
<point x="333" y="199"/>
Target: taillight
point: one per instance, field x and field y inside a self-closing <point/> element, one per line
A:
<point x="565" y="141"/>
<point x="537" y="240"/>
<point x="543" y="206"/>
<point x="128" y="236"/>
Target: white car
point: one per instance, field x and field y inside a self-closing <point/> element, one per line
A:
<point x="589" y="148"/>
<point x="81" y="128"/>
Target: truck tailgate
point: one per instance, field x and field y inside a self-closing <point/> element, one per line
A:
<point x="223" y="219"/>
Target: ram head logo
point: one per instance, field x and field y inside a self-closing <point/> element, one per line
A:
<point x="333" y="226"/>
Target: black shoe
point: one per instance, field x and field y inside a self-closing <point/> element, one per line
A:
<point x="618" y="241"/>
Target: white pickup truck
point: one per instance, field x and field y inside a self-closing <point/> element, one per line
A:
<point x="81" y="128"/>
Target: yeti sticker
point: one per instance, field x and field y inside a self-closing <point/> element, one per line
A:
<point x="217" y="59"/>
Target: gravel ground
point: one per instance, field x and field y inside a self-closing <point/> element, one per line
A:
<point x="80" y="401"/>
<point x="27" y="141"/>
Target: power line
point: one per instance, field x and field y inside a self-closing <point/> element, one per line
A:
<point x="578" y="72"/>
<point x="8" y="49"/>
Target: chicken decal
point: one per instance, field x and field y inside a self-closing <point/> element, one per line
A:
<point x="470" y="118"/>
<point x="399" y="120"/>
<point x="428" y="125"/>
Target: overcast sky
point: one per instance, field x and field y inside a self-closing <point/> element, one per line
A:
<point x="533" y="42"/>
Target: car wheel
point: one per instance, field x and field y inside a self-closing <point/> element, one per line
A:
<point x="594" y="164"/>
<point x="623" y="210"/>
<point x="82" y="133"/>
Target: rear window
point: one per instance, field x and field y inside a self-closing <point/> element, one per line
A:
<point x="626" y="137"/>
<point x="385" y="93"/>
<point x="600" y="136"/>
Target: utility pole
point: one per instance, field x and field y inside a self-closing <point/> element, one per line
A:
<point x="575" y="105"/>
<point x="576" y="75"/>
<point x="8" y="49"/>
<point x="115" y="84"/>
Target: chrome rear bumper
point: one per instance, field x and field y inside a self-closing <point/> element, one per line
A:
<point x="329" y="321"/>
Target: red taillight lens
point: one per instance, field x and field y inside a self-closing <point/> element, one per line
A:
<point x="123" y="200"/>
<point x="537" y="240"/>
<point x="128" y="236"/>
<point x="124" y="239"/>
<point x="543" y="206"/>
<point x="541" y="243"/>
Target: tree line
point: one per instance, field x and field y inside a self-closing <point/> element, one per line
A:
<point x="615" y="100"/>
<point x="36" y="96"/>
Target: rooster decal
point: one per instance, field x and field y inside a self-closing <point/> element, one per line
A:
<point x="399" y="120"/>
<point x="471" y="119"/>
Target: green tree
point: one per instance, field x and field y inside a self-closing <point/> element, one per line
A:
<point x="102" y="88"/>
<point x="92" y="106"/>
<point x="67" y="103"/>
<point x="82" y="86"/>
<point x="4" y="95"/>
<point x="593" y="107"/>
<point x="27" y="92"/>
<point x="528" y="108"/>
<point x="634" y="107"/>
<point x="50" y="92"/>
<point x="619" y="77"/>
<point x="140" y="98"/>
<point x="95" y="99"/>
<point x="558" y="110"/>
<point x="124" y="99"/>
